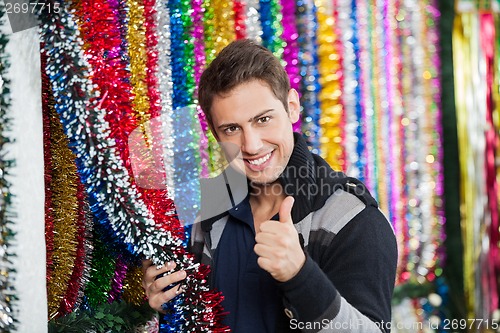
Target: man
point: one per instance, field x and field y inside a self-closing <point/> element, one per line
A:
<point x="307" y="249"/>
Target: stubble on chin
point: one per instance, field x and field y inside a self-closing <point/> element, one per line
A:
<point x="258" y="181"/>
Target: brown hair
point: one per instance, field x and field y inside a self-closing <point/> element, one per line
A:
<point x="240" y="62"/>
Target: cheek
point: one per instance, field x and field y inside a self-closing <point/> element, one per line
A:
<point x="286" y="149"/>
<point x="229" y="139"/>
<point x="231" y="147"/>
<point x="288" y="141"/>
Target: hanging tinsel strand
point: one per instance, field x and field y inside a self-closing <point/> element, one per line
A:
<point x="7" y="292"/>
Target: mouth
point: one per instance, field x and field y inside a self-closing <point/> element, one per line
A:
<point x="258" y="164"/>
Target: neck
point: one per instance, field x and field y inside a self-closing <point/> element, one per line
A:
<point x="267" y="197"/>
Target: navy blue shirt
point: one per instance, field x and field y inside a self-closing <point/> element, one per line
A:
<point x="251" y="295"/>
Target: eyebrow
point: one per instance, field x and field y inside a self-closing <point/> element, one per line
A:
<point x="249" y="120"/>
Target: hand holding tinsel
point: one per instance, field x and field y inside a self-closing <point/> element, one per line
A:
<point x="179" y="290"/>
<point x="162" y="284"/>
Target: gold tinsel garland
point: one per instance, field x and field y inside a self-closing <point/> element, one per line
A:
<point x="65" y="212"/>
<point x="330" y="69"/>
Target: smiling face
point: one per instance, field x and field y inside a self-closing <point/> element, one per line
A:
<point x="253" y="119"/>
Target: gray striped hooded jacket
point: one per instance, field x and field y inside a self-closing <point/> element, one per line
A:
<point x="347" y="281"/>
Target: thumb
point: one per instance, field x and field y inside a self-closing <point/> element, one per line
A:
<point x="285" y="213"/>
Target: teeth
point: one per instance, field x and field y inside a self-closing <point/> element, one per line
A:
<point x="260" y="160"/>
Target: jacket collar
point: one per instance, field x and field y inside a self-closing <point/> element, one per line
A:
<point x="309" y="179"/>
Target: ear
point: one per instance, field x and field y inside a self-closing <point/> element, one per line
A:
<point x="293" y="105"/>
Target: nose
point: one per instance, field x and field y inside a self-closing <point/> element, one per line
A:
<point x="252" y="143"/>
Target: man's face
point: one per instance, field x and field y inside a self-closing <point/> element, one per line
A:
<point x="252" y="118"/>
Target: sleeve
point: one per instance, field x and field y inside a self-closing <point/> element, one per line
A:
<point x="348" y="286"/>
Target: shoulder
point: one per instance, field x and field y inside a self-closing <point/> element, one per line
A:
<point x="337" y="211"/>
<point x="345" y="220"/>
<point x="344" y="207"/>
<point x="347" y="230"/>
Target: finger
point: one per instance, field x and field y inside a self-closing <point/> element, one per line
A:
<point x="159" y="285"/>
<point x="266" y="238"/>
<point x="272" y="227"/>
<point x="263" y="251"/>
<point x="286" y="210"/>
<point x="265" y="264"/>
<point x="145" y="265"/>
<point x="158" y="300"/>
<point x="152" y="272"/>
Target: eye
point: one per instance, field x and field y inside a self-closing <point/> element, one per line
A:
<point x="230" y="130"/>
<point x="263" y="120"/>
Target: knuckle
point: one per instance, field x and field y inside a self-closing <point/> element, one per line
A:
<point x="261" y="262"/>
<point x="150" y="275"/>
<point x="153" y="304"/>
<point x="280" y="255"/>
<point x="172" y="293"/>
<point x="156" y="286"/>
<point x="282" y="242"/>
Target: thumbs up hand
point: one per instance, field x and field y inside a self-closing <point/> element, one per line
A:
<point x="278" y="245"/>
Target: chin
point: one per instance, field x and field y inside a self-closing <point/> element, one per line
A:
<point x="268" y="177"/>
<point x="259" y="182"/>
<point x="263" y="181"/>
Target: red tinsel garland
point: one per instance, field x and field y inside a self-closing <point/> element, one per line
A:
<point x="239" y="19"/>
<point x="152" y="58"/>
